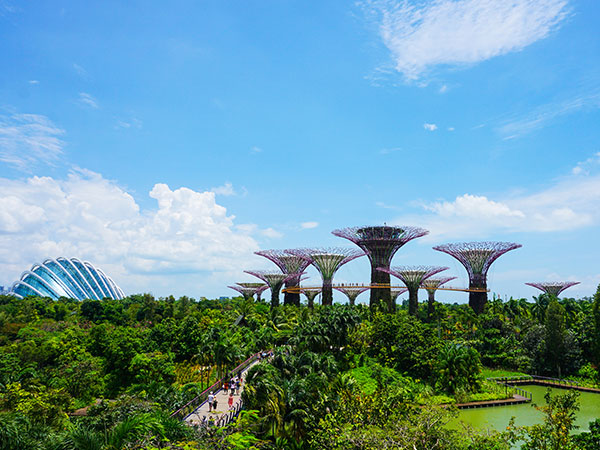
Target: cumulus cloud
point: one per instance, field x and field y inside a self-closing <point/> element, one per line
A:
<point x="26" y="139"/>
<point x="430" y="126"/>
<point x="583" y="167"/>
<point x="568" y="205"/>
<point x="88" y="100"/>
<point x="183" y="243"/>
<point x="421" y="35"/>
<point x="308" y="225"/>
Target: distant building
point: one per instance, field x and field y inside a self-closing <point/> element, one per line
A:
<point x="62" y="277"/>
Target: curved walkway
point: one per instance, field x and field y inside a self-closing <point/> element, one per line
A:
<point x="201" y="415"/>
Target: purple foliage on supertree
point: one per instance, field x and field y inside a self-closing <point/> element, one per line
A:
<point x="327" y="260"/>
<point x="477" y="257"/>
<point x="432" y="284"/>
<point x="395" y="293"/>
<point x="380" y="242"/>
<point x="287" y="262"/>
<point x="352" y="292"/>
<point x="553" y="287"/>
<point x="413" y="276"/>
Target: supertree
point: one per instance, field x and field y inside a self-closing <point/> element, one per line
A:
<point x="431" y="285"/>
<point x="413" y="277"/>
<point x="380" y="243"/>
<point x="553" y="288"/>
<point x="397" y="293"/>
<point x="247" y="292"/>
<point x="327" y="261"/>
<point x="288" y="264"/>
<point x="310" y="294"/>
<point x="260" y="288"/>
<point x="477" y="257"/>
<point x="274" y="280"/>
<point x="351" y="292"/>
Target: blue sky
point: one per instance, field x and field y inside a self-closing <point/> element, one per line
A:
<point x="167" y="144"/>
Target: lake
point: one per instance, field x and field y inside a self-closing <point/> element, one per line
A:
<point x="497" y="418"/>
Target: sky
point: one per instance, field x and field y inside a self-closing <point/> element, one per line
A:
<point x="167" y="143"/>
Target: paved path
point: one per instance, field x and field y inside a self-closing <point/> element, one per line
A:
<point x="201" y="413"/>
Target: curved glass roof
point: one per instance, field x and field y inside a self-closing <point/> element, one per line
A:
<point x="62" y="277"/>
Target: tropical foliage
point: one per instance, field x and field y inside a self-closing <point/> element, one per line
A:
<point x="108" y="374"/>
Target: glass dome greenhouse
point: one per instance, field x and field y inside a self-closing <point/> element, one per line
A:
<point x="62" y="277"/>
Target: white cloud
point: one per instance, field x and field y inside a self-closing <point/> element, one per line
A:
<point x="570" y="204"/>
<point x="33" y="82"/>
<point x="457" y="32"/>
<point x="271" y="233"/>
<point x="88" y="100"/>
<point x="181" y="245"/>
<point x="450" y="128"/>
<point x="225" y="190"/>
<point x="545" y="114"/>
<point x="130" y="123"/>
<point x="26" y="139"/>
<point x="443" y="89"/>
<point x="387" y="151"/>
<point x="255" y="149"/>
<point x="80" y="70"/>
<point x="583" y="167"/>
<point x="308" y="225"/>
<point x="430" y="126"/>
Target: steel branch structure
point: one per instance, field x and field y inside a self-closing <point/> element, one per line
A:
<point x="432" y="285"/>
<point x="477" y="257"/>
<point x="247" y="292"/>
<point x="553" y="288"/>
<point x="289" y="264"/>
<point x="260" y="288"/>
<point x="310" y="293"/>
<point x="351" y="292"/>
<point x="274" y="280"/>
<point x="380" y="244"/>
<point x="413" y="277"/>
<point x="327" y="261"/>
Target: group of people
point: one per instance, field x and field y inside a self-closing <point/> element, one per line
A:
<point x="232" y="386"/>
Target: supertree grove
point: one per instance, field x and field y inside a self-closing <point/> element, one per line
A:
<point x="274" y="280"/>
<point x="380" y="244"/>
<point x="289" y="264"/>
<point x="351" y="292"/>
<point x="310" y="294"/>
<point x="327" y="261"/>
<point x="477" y="257"/>
<point x="431" y="285"/>
<point x="553" y="288"/>
<point x="413" y="277"/>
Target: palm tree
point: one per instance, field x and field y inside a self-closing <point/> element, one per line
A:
<point x="81" y="437"/>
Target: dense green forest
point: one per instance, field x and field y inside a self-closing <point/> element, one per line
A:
<point x="108" y="374"/>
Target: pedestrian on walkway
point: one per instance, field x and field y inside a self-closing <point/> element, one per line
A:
<point x="230" y="401"/>
<point x="232" y="386"/>
<point x="215" y="402"/>
<point x="211" y="399"/>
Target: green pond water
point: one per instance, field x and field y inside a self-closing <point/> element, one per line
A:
<point x="497" y="418"/>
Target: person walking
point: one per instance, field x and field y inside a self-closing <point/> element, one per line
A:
<point x="211" y="399"/>
<point x="230" y="401"/>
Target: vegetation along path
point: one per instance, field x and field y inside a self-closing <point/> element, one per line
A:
<point x="202" y="415"/>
